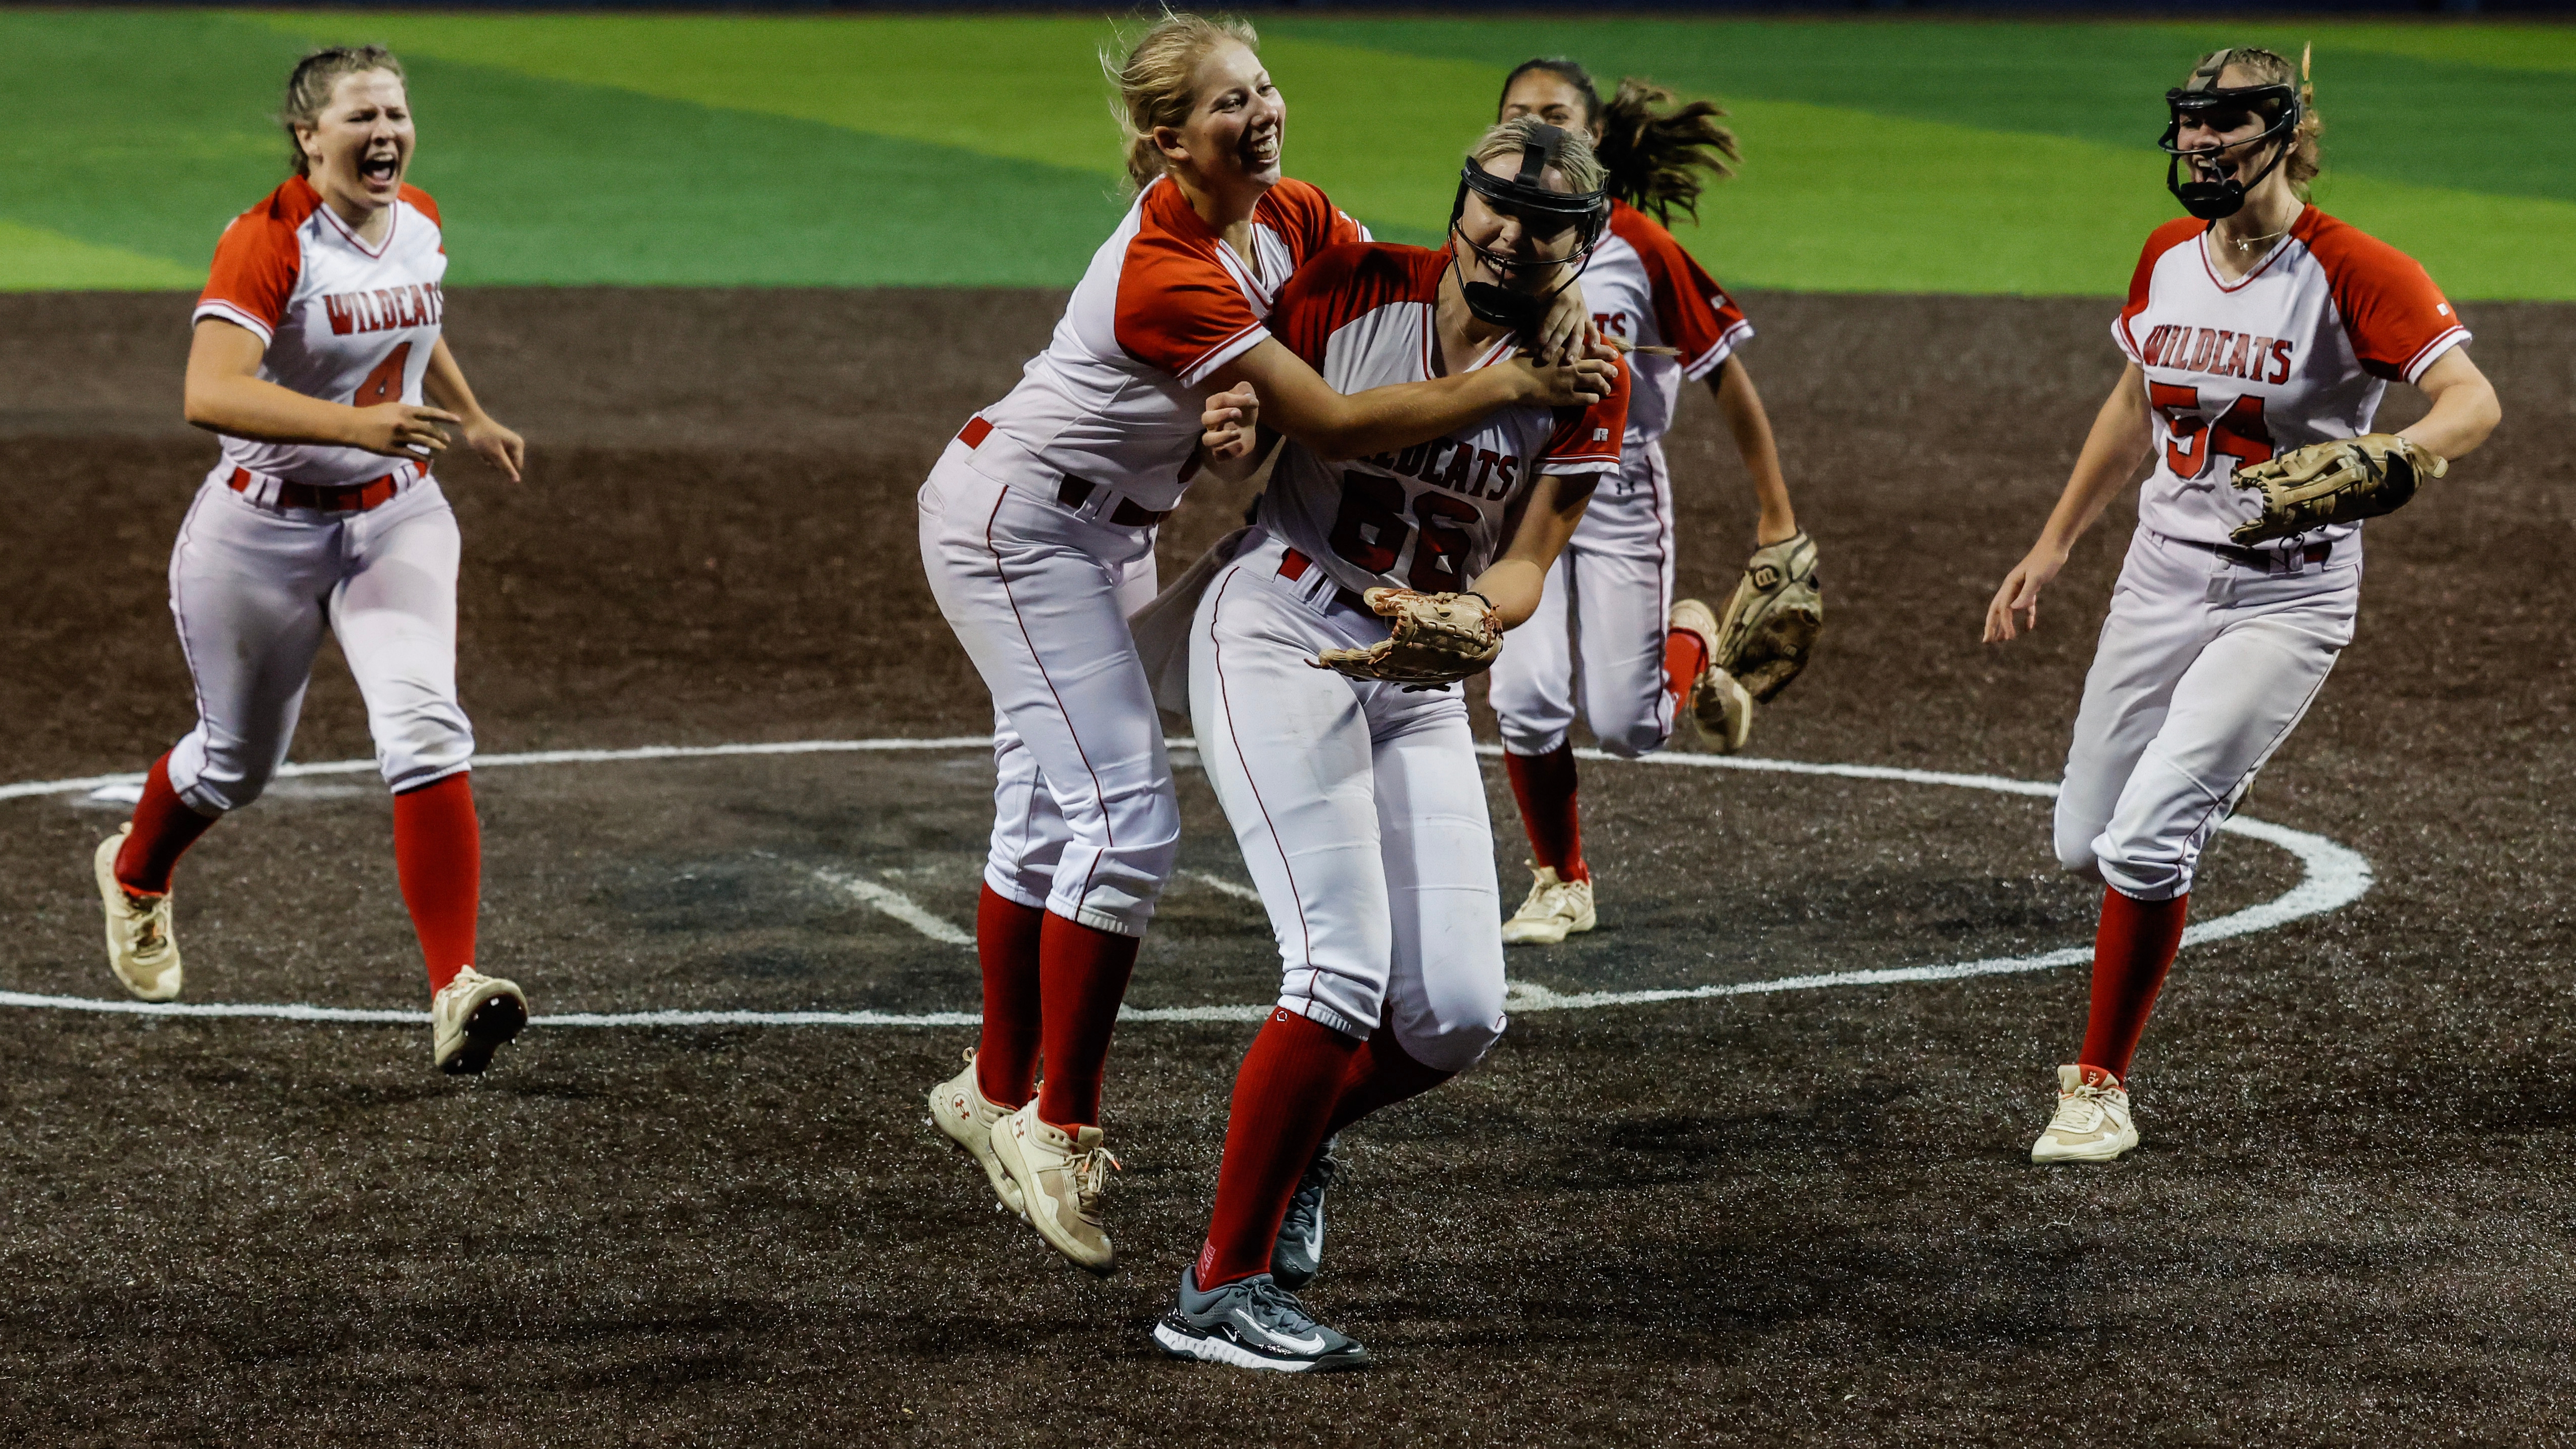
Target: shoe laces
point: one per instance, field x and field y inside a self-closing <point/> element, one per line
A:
<point x="2083" y="1109"/>
<point x="151" y="921"/>
<point x="1318" y="1176"/>
<point x="1275" y="1308"/>
<point x="1090" y="1174"/>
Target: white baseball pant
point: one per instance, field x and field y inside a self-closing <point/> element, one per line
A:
<point x="253" y="587"/>
<point x="1086" y="823"/>
<point x="1361" y="813"/>
<point x="2204" y="667"/>
<point x="1600" y="625"/>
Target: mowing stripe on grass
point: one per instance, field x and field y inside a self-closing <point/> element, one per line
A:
<point x="872" y="150"/>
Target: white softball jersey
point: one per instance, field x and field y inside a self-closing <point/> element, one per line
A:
<point x="2297" y="351"/>
<point x="1115" y="398"/>
<point x="1609" y="595"/>
<point x="2211" y="654"/>
<point x="342" y="321"/>
<point x="1432" y="516"/>
<point x="1645" y="291"/>
<point x="1358" y="804"/>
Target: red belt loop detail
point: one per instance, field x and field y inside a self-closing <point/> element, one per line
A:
<point x="1293" y="565"/>
<point x="975" y="432"/>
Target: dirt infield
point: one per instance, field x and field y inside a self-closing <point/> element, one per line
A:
<point x="1801" y="1216"/>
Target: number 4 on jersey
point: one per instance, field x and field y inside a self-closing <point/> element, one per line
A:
<point x="2191" y="437"/>
<point x="385" y="384"/>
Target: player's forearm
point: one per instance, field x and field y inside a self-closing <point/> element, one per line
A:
<point x="251" y="407"/>
<point x="1515" y="582"/>
<point x="1385" y="419"/>
<point x="2465" y="409"/>
<point x="1513" y="586"/>
<point x="2112" y="451"/>
<point x="1741" y="405"/>
<point x="444" y="384"/>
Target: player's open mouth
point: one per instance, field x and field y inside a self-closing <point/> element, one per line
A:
<point x="1260" y="148"/>
<point x="380" y="170"/>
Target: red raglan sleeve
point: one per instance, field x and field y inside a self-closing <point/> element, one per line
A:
<point x="2399" y="322"/>
<point x="1182" y="312"/>
<point x="253" y="274"/>
<point x="2141" y="280"/>
<point x="1692" y="312"/>
<point x="1587" y="440"/>
<point x="1336" y="286"/>
<point x="421" y="202"/>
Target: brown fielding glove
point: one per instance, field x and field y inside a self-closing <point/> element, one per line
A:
<point x="2342" y="480"/>
<point x="1435" y="640"/>
<point x="1770" y="626"/>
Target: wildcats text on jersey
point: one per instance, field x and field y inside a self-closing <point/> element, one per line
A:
<point x="386" y="308"/>
<point x="2219" y="352"/>
<point x="1461" y="468"/>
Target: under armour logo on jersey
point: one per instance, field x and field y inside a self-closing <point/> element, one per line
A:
<point x="1600" y="435"/>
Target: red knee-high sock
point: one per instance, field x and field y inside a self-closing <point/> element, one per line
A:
<point x="164" y="827"/>
<point x="2131" y="954"/>
<point x="1544" y="786"/>
<point x="438" y="853"/>
<point x="1082" y="976"/>
<point x="1685" y="660"/>
<point x="1381" y="1074"/>
<point x="1283" y="1098"/>
<point x="1006" y="944"/>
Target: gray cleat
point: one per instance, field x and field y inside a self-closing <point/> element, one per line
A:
<point x="1298" y="1255"/>
<point x="1253" y="1324"/>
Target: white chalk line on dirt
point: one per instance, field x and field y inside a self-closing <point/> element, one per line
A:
<point x="2335" y="875"/>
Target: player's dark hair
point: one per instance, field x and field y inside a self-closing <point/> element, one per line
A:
<point x="1656" y="148"/>
<point x="315" y="77"/>
<point x="1653" y="149"/>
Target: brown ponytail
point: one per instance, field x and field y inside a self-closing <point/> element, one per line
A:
<point x="1655" y="150"/>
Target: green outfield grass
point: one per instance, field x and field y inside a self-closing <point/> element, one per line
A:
<point x="1897" y="156"/>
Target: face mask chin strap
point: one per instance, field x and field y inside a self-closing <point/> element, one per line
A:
<point x="2223" y="198"/>
<point x="1501" y="306"/>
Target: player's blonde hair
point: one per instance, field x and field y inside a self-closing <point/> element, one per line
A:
<point x="1153" y="80"/>
<point x="315" y="77"/>
<point x="2271" y="68"/>
<point x="1575" y="160"/>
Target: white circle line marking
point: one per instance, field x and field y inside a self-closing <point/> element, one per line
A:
<point x="2335" y="875"/>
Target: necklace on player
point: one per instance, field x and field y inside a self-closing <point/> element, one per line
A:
<point x="2247" y="244"/>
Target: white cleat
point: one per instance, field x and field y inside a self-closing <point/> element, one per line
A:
<point x="1555" y="910"/>
<point x="141" y="947"/>
<point x="471" y="1017"/>
<point x="1723" y="708"/>
<point x="1062" y="1177"/>
<point x="2092" y="1124"/>
<point x="959" y="1108"/>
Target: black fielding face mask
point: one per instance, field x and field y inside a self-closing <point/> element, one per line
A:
<point x="2225" y="110"/>
<point x="1545" y="214"/>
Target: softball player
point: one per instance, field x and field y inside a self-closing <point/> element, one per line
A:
<point x="1358" y="801"/>
<point x="1037" y="531"/>
<point x="2261" y="326"/>
<point x="316" y="344"/>
<point x="1608" y="618"/>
